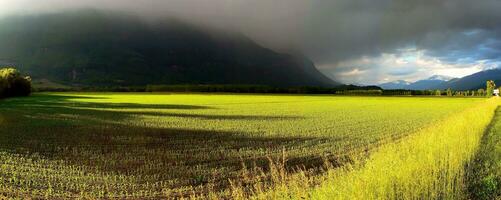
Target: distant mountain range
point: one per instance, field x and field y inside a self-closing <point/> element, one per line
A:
<point x="471" y="82"/>
<point x="433" y="82"/>
<point x="398" y="84"/>
<point x="96" y="48"/>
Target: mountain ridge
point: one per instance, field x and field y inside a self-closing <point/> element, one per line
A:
<point x="91" y="47"/>
<point x="431" y="82"/>
<point x="474" y="81"/>
<point x="471" y="82"/>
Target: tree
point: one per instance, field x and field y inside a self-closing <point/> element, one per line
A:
<point x="490" y="88"/>
<point x="12" y="83"/>
<point x="449" y="92"/>
<point x="480" y="92"/>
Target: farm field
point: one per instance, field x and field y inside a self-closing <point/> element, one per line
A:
<point x="123" y="145"/>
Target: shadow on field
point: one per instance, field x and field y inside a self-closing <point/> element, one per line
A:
<point x="45" y="101"/>
<point x="61" y="129"/>
<point x="66" y="105"/>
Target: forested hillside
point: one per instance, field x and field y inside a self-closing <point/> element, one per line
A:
<point x="94" y="48"/>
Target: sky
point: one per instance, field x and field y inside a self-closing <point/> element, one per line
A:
<point x="352" y="41"/>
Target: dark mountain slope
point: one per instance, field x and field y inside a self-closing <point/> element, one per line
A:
<point x="474" y="81"/>
<point x="91" y="47"/>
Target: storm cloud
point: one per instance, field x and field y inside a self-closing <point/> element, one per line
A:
<point x="354" y="41"/>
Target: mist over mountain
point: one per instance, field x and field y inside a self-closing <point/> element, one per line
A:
<point x="399" y="84"/>
<point x="91" y="47"/>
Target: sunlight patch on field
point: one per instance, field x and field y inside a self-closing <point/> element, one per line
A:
<point x="427" y="165"/>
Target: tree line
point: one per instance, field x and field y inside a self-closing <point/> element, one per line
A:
<point x="234" y="88"/>
<point x="13" y="84"/>
<point x="342" y="90"/>
<point x="487" y="92"/>
<point x="349" y="90"/>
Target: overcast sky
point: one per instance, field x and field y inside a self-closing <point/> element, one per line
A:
<point x="354" y="41"/>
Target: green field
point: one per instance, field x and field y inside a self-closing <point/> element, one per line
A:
<point x="122" y="145"/>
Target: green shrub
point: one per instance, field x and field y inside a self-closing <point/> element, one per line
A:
<point x="12" y="83"/>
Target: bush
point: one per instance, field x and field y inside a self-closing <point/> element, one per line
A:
<point x="12" y="83"/>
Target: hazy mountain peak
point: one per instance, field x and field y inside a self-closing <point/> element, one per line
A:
<point x="398" y="84"/>
<point x="432" y="82"/>
<point x="401" y="82"/>
<point x="440" y="78"/>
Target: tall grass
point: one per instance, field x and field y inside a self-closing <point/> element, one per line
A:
<point x="427" y="165"/>
<point x="484" y="175"/>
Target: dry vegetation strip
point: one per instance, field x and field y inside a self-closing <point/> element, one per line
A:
<point x="484" y="174"/>
<point x="137" y="145"/>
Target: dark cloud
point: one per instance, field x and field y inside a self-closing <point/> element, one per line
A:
<point x="329" y="32"/>
<point x="357" y="28"/>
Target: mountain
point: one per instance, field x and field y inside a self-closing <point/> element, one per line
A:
<point x="400" y="84"/>
<point x="471" y="82"/>
<point x="440" y="78"/>
<point x="430" y="83"/>
<point x="96" y="48"/>
<point x="474" y="81"/>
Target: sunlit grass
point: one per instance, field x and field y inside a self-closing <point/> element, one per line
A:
<point x="427" y="165"/>
<point x="170" y="145"/>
